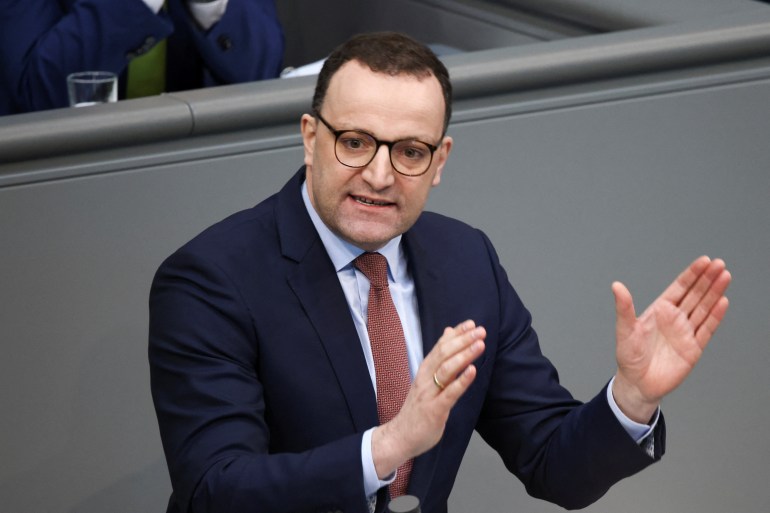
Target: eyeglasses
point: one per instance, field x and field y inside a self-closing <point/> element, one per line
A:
<point x="354" y="148"/>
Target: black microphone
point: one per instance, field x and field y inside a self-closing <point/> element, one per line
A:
<point x="404" y="504"/>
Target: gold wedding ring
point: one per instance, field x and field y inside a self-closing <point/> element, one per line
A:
<point x="437" y="382"/>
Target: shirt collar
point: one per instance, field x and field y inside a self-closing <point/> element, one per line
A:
<point x="342" y="253"/>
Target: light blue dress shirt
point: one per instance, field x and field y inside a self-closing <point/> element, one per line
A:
<point x="356" y="289"/>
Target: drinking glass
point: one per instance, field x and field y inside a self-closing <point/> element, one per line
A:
<point x="92" y="87"/>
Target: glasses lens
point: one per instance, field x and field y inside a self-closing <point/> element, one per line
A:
<point x="411" y="157"/>
<point x="355" y="149"/>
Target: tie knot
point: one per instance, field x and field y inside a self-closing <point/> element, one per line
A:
<point x="375" y="268"/>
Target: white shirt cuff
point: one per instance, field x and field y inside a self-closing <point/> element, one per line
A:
<point x="372" y="483"/>
<point x="635" y="430"/>
<point x="209" y="13"/>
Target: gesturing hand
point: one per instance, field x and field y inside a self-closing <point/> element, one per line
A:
<point x="657" y="351"/>
<point x="443" y="377"/>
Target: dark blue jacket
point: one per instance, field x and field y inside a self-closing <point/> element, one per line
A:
<point x="263" y="394"/>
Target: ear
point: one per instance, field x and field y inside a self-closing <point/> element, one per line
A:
<point x="441" y="156"/>
<point x="308" y="128"/>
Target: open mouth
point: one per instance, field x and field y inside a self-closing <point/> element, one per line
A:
<point x="370" y="202"/>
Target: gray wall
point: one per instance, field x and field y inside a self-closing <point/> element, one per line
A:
<point x="581" y="194"/>
<point x="616" y="156"/>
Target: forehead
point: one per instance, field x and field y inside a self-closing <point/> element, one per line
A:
<point x="389" y="105"/>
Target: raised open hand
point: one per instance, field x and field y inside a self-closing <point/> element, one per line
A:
<point x="659" y="349"/>
<point x="443" y="377"/>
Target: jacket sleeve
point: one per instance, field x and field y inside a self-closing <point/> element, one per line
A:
<point x="562" y="450"/>
<point x="247" y="44"/>
<point x="43" y="41"/>
<point x="210" y="402"/>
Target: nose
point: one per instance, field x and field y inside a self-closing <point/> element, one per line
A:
<point x="379" y="174"/>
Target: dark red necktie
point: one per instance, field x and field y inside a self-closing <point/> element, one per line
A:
<point x="391" y="364"/>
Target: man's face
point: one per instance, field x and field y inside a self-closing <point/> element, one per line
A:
<point x="369" y="206"/>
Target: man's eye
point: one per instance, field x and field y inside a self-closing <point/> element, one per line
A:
<point x="412" y="152"/>
<point x="353" y="143"/>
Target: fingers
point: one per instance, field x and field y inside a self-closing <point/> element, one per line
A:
<point x="457" y="386"/>
<point x="700" y="288"/>
<point x="709" y="326"/>
<point x="449" y="363"/>
<point x="624" y="310"/>
<point x="704" y="301"/>
<point x="699" y="293"/>
<point x="685" y="281"/>
<point x="420" y="423"/>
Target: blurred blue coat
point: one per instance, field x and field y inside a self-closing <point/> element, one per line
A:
<point x="42" y="41"/>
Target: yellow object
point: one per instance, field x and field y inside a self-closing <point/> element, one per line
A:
<point x="147" y="73"/>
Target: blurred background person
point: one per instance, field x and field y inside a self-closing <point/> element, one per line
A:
<point x="154" y="46"/>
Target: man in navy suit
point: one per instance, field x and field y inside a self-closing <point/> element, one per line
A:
<point x="206" y="43"/>
<point x="262" y="372"/>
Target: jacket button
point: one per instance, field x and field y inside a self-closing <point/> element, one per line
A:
<point x="224" y="42"/>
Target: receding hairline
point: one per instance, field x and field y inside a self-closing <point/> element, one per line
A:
<point x="418" y="74"/>
<point x="389" y="53"/>
<point x="350" y="73"/>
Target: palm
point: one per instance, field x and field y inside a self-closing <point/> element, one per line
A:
<point x="657" y="351"/>
<point x="660" y="351"/>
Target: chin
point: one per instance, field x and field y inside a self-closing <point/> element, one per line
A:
<point x="368" y="241"/>
<point x="368" y="244"/>
<point x="369" y="236"/>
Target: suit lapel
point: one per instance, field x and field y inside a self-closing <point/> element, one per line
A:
<point x="432" y="274"/>
<point x="315" y="283"/>
<point x="425" y="267"/>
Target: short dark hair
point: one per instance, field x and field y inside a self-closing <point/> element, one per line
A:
<point x="386" y="52"/>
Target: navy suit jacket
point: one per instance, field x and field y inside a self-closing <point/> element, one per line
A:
<point x="43" y="41"/>
<point x="262" y="392"/>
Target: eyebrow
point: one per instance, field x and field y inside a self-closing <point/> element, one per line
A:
<point x="373" y="136"/>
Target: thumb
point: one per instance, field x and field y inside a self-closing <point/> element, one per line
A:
<point x="624" y="310"/>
